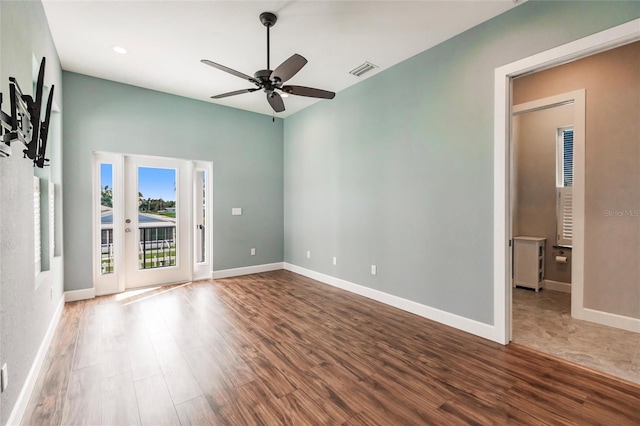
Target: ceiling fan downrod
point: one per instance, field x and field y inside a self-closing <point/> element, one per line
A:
<point x="268" y="19"/>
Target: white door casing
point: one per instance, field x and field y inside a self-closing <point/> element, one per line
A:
<point x="587" y="46"/>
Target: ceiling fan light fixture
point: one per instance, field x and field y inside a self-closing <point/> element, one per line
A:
<point x="271" y="81"/>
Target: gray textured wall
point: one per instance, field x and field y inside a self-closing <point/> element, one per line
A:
<point x="398" y="170"/>
<point x="25" y="311"/>
<point x="245" y="148"/>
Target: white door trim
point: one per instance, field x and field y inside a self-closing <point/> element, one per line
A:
<point x="613" y="37"/>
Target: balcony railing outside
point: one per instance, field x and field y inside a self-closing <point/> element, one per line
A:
<point x="106" y="252"/>
<point x="156" y="248"/>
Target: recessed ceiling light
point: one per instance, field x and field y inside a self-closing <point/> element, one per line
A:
<point x="120" y="50"/>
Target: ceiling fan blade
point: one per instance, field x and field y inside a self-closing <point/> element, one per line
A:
<point x="237" y="92"/>
<point x="227" y="69"/>
<point x="275" y="101"/>
<point x="308" y="91"/>
<point x="288" y="68"/>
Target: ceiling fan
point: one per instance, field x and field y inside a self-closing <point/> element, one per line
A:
<point x="272" y="81"/>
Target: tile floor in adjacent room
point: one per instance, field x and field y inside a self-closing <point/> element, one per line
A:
<point x="542" y="321"/>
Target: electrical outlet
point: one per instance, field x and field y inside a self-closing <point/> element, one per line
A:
<point x="4" y="378"/>
<point x="374" y="269"/>
<point x="335" y="260"/>
<point x="253" y="252"/>
<point x="236" y="211"/>
<point x="308" y="254"/>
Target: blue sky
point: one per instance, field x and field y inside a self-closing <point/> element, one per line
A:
<point x="152" y="182"/>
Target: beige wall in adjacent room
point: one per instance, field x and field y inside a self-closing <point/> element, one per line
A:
<point x="534" y="144"/>
<point x="612" y="181"/>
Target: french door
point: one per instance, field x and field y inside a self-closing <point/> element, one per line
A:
<point x="156" y="229"/>
<point x="152" y="221"/>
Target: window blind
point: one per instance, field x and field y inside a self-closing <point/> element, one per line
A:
<point x="567" y="157"/>
<point x="565" y="216"/>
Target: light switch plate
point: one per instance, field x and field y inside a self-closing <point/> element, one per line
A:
<point x="308" y="254"/>
<point x="335" y="260"/>
<point x="253" y="252"/>
<point x="374" y="269"/>
<point x="236" y="211"/>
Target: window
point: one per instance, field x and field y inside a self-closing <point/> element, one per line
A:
<point x="106" y="219"/>
<point x="36" y="226"/>
<point x="200" y="206"/>
<point x="564" y="186"/>
<point x="52" y="218"/>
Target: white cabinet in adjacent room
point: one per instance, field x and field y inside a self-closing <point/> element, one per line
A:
<point x="528" y="262"/>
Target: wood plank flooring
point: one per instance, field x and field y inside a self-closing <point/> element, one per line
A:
<point x="279" y="348"/>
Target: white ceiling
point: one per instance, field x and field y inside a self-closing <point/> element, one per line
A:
<point x="167" y="39"/>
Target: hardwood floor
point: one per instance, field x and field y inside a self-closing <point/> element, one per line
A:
<point x="279" y="348"/>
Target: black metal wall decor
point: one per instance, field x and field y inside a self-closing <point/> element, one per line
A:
<point x="24" y="122"/>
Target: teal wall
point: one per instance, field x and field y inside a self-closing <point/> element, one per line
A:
<point x="397" y="171"/>
<point x="245" y="148"/>
<point x="27" y="305"/>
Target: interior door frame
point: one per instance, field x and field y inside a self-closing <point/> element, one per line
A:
<point x="116" y="283"/>
<point x="578" y="100"/>
<point x="605" y="40"/>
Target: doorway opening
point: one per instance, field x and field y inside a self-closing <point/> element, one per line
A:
<point x="584" y="303"/>
<point x="152" y="219"/>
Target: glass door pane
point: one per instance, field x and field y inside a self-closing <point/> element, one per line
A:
<point x="106" y="219"/>
<point x="157" y="216"/>
<point x="200" y="200"/>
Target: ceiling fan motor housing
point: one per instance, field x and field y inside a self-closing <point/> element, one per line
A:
<point x="264" y="76"/>
<point x="268" y="19"/>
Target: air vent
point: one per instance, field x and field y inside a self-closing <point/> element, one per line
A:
<point x="362" y="69"/>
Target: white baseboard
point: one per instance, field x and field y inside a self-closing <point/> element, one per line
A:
<point x="557" y="286"/>
<point x="465" y="324"/>
<point x="608" y="319"/>
<point x="227" y="273"/>
<point x="86" y="293"/>
<point x="25" y="393"/>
